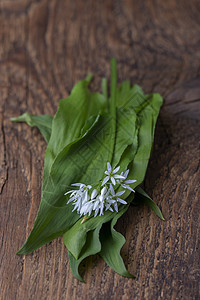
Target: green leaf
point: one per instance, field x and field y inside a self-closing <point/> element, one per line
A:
<point x="126" y="129"/>
<point x="72" y="115"/>
<point x="111" y="244"/>
<point x="147" y="116"/>
<point x="142" y="198"/>
<point x="147" y="110"/>
<point x="91" y="121"/>
<point x="92" y="243"/>
<point x="130" y="97"/>
<point x="122" y="93"/>
<point x="70" y="166"/>
<point x="91" y="247"/>
<point x="75" y="238"/>
<point x="43" y="122"/>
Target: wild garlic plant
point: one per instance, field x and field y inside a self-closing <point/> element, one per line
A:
<point x="88" y="200"/>
<point x="68" y="133"/>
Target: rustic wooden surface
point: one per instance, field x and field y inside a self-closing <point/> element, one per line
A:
<point x="45" y="47"/>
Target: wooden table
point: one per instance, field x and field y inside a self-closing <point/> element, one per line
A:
<point x="46" y="47"/>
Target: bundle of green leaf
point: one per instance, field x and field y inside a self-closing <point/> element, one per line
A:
<point x="89" y="139"/>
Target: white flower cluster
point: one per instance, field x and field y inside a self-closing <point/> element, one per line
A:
<point x="87" y="200"/>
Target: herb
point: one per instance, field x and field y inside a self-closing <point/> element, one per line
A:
<point x="89" y="137"/>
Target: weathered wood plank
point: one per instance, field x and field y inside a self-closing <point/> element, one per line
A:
<point x="46" y="46"/>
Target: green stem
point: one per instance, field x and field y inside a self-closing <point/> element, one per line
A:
<point x="113" y="89"/>
<point x="113" y="103"/>
<point x="88" y="78"/>
<point x="104" y="87"/>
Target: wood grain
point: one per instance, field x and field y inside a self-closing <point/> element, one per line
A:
<point x="48" y="45"/>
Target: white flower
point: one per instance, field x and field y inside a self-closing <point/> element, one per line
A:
<point x="111" y="174"/>
<point x="79" y="197"/>
<point x="87" y="200"/>
<point x="94" y="194"/>
<point x="78" y="184"/>
<point x="109" y="201"/>
<point x="99" y="203"/>
<point x="125" y="183"/>
<point x="75" y="194"/>
<point x="82" y="186"/>
<point x="89" y="205"/>
<point x="115" y="196"/>
<point x="103" y="193"/>
<point x="77" y="204"/>
<point x="87" y="208"/>
<point x="124" y="174"/>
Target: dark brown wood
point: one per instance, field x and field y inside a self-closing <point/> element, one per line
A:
<point x="48" y="45"/>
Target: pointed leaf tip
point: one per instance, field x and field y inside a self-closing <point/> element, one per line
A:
<point x="145" y="199"/>
<point x="112" y="242"/>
